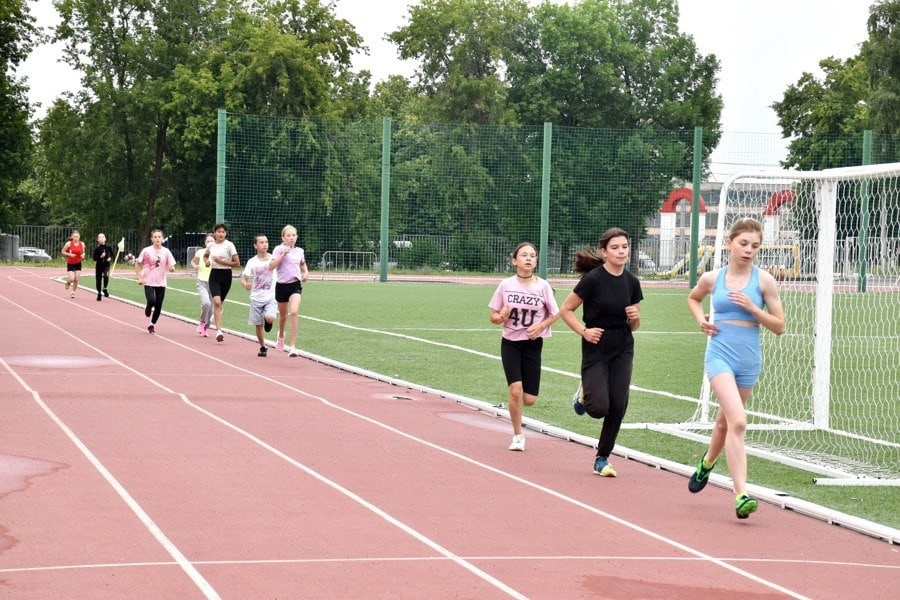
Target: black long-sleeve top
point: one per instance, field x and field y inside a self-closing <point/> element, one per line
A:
<point x="104" y="254"/>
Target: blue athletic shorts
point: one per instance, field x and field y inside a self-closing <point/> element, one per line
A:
<point x="736" y="350"/>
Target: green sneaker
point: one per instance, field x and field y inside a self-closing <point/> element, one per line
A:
<point x="700" y="477"/>
<point x="744" y="505"/>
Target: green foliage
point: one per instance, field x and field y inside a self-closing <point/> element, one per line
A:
<point x="16" y="39"/>
<point x="470" y="253"/>
<point x="155" y="73"/>
<point x="423" y="254"/>
<point x="881" y="53"/>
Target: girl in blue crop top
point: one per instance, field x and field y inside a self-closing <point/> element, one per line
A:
<point x="743" y="298"/>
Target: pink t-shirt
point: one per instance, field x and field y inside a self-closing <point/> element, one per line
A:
<point x="289" y="268"/>
<point x="530" y="304"/>
<point x="154" y="265"/>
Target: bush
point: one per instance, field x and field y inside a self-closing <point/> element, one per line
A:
<point x="471" y="254"/>
<point x="423" y="254"/>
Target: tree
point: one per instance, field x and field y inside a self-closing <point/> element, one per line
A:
<point x="622" y="68"/>
<point x="825" y="118"/>
<point x="156" y="71"/>
<point x="614" y="64"/>
<point x="17" y="33"/>
<point x="460" y="46"/>
<point x="882" y="56"/>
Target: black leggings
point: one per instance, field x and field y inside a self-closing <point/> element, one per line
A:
<point x="155" y="297"/>
<point x="101" y="275"/>
<point x="606" y="381"/>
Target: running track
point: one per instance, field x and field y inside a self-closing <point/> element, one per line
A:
<point x="170" y="466"/>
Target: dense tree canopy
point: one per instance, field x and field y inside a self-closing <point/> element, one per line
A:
<point x="16" y="38"/>
<point x="154" y="75"/>
<point x="622" y="85"/>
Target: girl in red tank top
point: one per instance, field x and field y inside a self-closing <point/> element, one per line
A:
<point x="74" y="251"/>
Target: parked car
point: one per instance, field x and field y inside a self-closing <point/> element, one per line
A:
<point x="29" y="254"/>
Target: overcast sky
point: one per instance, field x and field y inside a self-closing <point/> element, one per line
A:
<point x="762" y="46"/>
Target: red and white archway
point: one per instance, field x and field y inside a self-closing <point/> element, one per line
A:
<point x="772" y="215"/>
<point x="668" y="222"/>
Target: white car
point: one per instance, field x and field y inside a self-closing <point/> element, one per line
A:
<point x="29" y="254"/>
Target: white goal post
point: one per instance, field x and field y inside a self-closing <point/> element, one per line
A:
<point x="828" y="398"/>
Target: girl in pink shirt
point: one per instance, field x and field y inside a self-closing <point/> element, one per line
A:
<point x="525" y="306"/>
<point x="292" y="272"/>
<point x="151" y="267"/>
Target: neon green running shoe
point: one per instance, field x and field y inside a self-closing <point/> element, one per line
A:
<point x="744" y="505"/>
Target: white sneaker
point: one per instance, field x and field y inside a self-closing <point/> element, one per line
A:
<point x="293" y="352"/>
<point x="518" y="443"/>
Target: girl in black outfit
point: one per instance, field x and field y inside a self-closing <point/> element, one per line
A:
<point x="610" y="295"/>
<point x="103" y="255"/>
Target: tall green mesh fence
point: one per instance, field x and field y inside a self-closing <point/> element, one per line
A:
<point x="461" y="196"/>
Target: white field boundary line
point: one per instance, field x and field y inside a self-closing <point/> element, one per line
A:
<point x="558" y="495"/>
<point x="433" y="343"/>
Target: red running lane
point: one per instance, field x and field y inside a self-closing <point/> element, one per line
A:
<point x="283" y="478"/>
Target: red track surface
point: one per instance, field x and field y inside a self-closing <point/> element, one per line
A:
<point x="172" y="466"/>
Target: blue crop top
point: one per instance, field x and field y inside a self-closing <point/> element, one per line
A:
<point x="726" y="310"/>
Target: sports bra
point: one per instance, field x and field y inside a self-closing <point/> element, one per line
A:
<point x="726" y="310"/>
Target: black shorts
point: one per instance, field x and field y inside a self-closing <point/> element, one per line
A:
<point x="284" y="291"/>
<point x="219" y="283"/>
<point x="522" y="362"/>
<point x="75" y="267"/>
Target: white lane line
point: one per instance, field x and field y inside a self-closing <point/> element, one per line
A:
<point x="173" y="551"/>
<point x="176" y="554"/>
<point x="633" y="526"/>
<point x="413" y="559"/>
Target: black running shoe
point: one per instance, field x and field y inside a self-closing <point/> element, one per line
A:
<point x="267" y="327"/>
<point x="263" y="352"/>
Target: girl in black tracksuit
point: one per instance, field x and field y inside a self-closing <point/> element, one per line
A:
<point x="103" y="255"/>
<point x="610" y="296"/>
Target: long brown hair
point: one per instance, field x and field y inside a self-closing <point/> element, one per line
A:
<point x="587" y="259"/>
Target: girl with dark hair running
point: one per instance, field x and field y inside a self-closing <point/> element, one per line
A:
<point x="525" y="306"/>
<point x="610" y="295"/>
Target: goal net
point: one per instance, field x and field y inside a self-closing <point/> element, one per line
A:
<point x="828" y="397"/>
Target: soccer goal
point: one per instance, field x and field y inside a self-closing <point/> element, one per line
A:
<point x="828" y="397"/>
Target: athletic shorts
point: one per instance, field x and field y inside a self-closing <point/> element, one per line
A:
<point x="219" y="283"/>
<point x="522" y="362"/>
<point x="284" y="291"/>
<point x="260" y="310"/>
<point x="75" y="267"/>
<point x="736" y="350"/>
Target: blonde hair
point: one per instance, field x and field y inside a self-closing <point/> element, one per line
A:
<point x="286" y="228"/>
